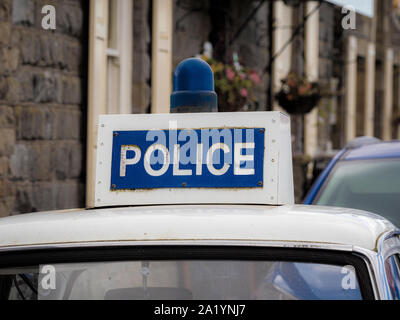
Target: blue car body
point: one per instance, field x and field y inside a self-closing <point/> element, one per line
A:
<point x="365" y="150"/>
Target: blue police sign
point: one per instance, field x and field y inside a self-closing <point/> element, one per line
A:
<point x="195" y="158"/>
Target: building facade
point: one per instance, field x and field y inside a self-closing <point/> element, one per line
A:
<point x="42" y="106"/>
<point x="117" y="56"/>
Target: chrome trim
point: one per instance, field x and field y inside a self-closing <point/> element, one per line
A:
<point x="385" y="250"/>
<point x="384" y="237"/>
<point x="246" y="243"/>
<point x="370" y="259"/>
<point x="375" y="262"/>
<point x="392" y="234"/>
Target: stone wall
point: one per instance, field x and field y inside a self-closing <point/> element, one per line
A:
<point x="42" y="106"/>
<point x="141" y="92"/>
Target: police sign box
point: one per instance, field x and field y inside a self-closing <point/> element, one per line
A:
<point x="194" y="158"/>
<point x="202" y="158"/>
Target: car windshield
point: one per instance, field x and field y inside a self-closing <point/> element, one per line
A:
<point x="184" y="280"/>
<point x="371" y="185"/>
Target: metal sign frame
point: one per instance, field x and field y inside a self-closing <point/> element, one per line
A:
<point x="277" y="185"/>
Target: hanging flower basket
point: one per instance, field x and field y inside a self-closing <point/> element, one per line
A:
<point x="235" y="85"/>
<point x="297" y="95"/>
<point x="301" y="105"/>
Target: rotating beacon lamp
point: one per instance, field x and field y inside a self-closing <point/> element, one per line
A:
<point x="193" y="88"/>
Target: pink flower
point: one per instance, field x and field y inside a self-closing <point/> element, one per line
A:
<point x="302" y="90"/>
<point x="229" y="74"/>
<point x="242" y="76"/>
<point x="244" y="93"/>
<point x="255" y="77"/>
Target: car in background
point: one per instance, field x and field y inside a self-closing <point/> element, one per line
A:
<point x="365" y="175"/>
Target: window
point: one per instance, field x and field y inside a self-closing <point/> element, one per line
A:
<point x="190" y="273"/>
<point x="371" y="185"/>
<point x="392" y="267"/>
<point x="199" y="280"/>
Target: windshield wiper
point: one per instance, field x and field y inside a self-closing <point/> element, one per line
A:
<point x="28" y="282"/>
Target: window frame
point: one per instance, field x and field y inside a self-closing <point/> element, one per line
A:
<point x="27" y="258"/>
<point x="396" y="257"/>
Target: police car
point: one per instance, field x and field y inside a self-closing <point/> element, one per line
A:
<point x="197" y="206"/>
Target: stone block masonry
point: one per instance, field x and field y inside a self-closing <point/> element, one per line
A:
<point x="42" y="106"/>
<point x="141" y="90"/>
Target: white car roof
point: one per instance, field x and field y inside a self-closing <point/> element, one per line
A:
<point x="298" y="223"/>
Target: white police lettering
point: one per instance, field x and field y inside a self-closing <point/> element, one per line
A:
<point x="158" y="137"/>
<point x="176" y="170"/>
<point x="173" y="135"/>
<point x="128" y="161"/>
<point x="199" y="162"/>
<point x="210" y="164"/>
<point x="191" y="148"/>
<point x="188" y="152"/>
<point x="239" y="158"/>
<point x="147" y="160"/>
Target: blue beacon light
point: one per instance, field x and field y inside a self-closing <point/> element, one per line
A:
<point x="193" y="88"/>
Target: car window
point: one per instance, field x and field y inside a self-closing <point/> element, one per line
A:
<point x="371" y="185"/>
<point x="200" y="279"/>
<point x="392" y="268"/>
